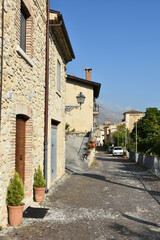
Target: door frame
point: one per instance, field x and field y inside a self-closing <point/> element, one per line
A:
<point x="54" y="124"/>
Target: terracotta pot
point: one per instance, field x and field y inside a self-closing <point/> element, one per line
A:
<point x="39" y="194"/>
<point x="15" y="215"/>
<point x="124" y="156"/>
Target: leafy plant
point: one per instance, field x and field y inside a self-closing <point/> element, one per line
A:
<point x="148" y="133"/>
<point x="39" y="181"/>
<point x="0" y="228"/>
<point x="15" y="192"/>
<point x="67" y="126"/>
<point x="119" y="135"/>
<point x="67" y="129"/>
<point x="106" y="145"/>
<point x="124" y="153"/>
<point x="91" y="145"/>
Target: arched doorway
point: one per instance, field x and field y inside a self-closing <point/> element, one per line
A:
<point x="20" y="145"/>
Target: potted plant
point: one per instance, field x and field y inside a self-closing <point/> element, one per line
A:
<point x="124" y="154"/>
<point x="15" y="195"/>
<point x="39" y="185"/>
<point x="89" y="152"/>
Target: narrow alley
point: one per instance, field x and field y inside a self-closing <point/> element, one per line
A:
<point x="114" y="199"/>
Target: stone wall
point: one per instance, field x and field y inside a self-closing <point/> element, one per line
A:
<point x="130" y="119"/>
<point x="56" y="108"/>
<point x="150" y="162"/>
<point x="23" y="93"/>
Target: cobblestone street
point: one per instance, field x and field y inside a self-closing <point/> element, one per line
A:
<point x="114" y="199"/>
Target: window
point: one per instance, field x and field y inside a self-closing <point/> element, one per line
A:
<point x="58" y="76"/>
<point x="26" y="27"/>
<point x="23" y="31"/>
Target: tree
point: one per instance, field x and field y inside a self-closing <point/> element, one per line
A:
<point x="148" y="137"/>
<point x="119" y="135"/>
<point x="15" y="193"/>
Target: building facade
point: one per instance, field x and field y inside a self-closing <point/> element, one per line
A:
<point x="131" y="117"/>
<point x="23" y="74"/>
<point x="60" y="54"/>
<point x="99" y="135"/>
<point x="129" y="120"/>
<point x="81" y="119"/>
<point x="23" y="88"/>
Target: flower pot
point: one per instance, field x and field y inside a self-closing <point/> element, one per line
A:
<point x="124" y="156"/>
<point x="39" y="194"/>
<point x="15" y="215"/>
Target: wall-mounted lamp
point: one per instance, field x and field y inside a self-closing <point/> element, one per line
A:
<point x="80" y="101"/>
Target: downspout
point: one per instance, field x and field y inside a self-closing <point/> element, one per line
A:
<point x="46" y="100"/>
<point x="2" y="26"/>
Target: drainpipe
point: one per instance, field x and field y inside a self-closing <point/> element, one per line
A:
<point x="2" y="26"/>
<point x="46" y="99"/>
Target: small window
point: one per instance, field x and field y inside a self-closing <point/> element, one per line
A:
<point x="58" y="76"/>
<point x="23" y="31"/>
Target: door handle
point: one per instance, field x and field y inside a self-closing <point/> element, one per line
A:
<point x="21" y="157"/>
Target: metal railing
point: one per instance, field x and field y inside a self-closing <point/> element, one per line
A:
<point x="96" y="108"/>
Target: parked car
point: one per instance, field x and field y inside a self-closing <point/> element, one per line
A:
<point x="110" y="149"/>
<point x="117" y="151"/>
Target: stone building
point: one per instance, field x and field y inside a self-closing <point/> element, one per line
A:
<point x="131" y="117"/>
<point x="129" y="120"/>
<point x="81" y="120"/>
<point x="60" y="54"/>
<point x="109" y="129"/>
<point x="23" y="95"/>
<point x="99" y="135"/>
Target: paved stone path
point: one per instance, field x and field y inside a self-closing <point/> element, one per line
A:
<point x="114" y="199"/>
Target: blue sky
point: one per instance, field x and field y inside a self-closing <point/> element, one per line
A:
<point x="120" y="41"/>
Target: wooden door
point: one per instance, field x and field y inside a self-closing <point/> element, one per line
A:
<point x="53" y="151"/>
<point x="20" y="146"/>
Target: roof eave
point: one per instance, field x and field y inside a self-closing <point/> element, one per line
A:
<point x="96" y="85"/>
<point x="64" y="40"/>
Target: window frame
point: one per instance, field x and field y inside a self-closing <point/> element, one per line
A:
<point x="23" y="30"/>
<point x="58" y="75"/>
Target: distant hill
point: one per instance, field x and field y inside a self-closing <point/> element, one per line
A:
<point x="106" y="114"/>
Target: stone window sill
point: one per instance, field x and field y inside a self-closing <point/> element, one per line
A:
<point x="24" y="56"/>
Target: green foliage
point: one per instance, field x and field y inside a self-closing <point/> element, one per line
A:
<point x="148" y="132"/>
<point x="106" y="145"/>
<point x="124" y="153"/>
<point x="67" y="126"/>
<point x="39" y="181"/>
<point x="131" y="143"/>
<point x="15" y="192"/>
<point x="119" y="135"/>
<point x="0" y="228"/>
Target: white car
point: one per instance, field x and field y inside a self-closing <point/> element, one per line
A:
<point x="117" y="151"/>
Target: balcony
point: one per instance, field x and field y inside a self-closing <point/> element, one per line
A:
<point x="95" y="110"/>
